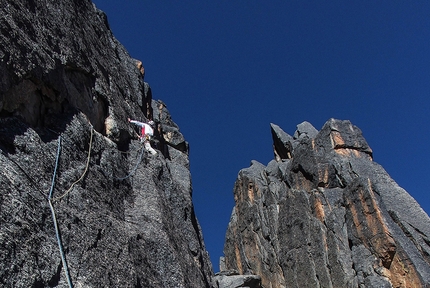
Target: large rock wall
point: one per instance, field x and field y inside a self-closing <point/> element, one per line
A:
<point x="324" y="214"/>
<point x="63" y="74"/>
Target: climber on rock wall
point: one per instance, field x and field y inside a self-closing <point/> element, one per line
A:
<point x="147" y="131"/>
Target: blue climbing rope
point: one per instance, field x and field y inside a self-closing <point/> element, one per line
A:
<point x="54" y="218"/>
<point x="55" y="169"/>
<point x="135" y="167"/>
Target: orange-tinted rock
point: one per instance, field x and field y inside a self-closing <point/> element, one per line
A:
<point x="324" y="214"/>
<point x="141" y="68"/>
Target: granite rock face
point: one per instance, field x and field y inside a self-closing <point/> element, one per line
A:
<point x="125" y="218"/>
<point x="324" y="214"/>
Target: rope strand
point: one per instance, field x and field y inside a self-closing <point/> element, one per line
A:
<point x="51" y="191"/>
<point x="135" y="167"/>
<point x="85" y="170"/>
<point x="54" y="218"/>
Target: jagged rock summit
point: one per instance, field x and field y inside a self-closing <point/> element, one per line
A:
<point x="324" y="214"/>
<point x="125" y="218"/>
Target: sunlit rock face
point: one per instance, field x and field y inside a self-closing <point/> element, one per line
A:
<point x="324" y="214"/>
<point x="125" y="218"/>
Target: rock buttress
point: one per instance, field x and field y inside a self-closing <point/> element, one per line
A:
<point x="324" y="214"/>
<point x="129" y="219"/>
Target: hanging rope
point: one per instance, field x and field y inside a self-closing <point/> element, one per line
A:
<point x="135" y="167"/>
<point x="54" y="218"/>
<point x="55" y="169"/>
<point x="51" y="191"/>
<point x="85" y="170"/>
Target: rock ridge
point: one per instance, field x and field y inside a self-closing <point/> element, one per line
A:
<point x="324" y="214"/>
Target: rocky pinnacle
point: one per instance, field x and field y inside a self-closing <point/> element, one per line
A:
<point x="324" y="214"/>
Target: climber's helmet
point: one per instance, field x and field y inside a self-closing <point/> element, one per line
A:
<point x="151" y="123"/>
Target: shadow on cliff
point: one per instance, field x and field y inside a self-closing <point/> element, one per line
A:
<point x="53" y="125"/>
<point x="14" y="126"/>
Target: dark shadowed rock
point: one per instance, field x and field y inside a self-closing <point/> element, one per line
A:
<point x="328" y="216"/>
<point x="126" y="218"/>
<point x="282" y="143"/>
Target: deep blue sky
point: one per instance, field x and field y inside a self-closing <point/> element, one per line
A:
<point x="226" y="69"/>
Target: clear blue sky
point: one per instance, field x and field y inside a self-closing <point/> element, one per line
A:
<point x="226" y="69"/>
